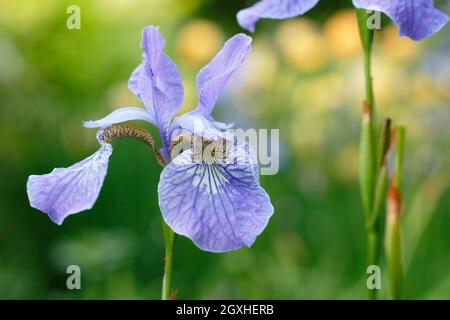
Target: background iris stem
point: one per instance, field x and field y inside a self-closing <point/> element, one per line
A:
<point x="368" y="156"/>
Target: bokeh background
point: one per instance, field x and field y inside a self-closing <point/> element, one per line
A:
<point x="304" y="76"/>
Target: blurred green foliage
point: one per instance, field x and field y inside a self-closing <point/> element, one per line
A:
<point x="304" y="77"/>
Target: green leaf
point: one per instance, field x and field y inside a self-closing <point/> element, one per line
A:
<point x="400" y="146"/>
<point x="380" y="196"/>
<point x="384" y="142"/>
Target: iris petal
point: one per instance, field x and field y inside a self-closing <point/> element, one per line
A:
<point x="213" y="77"/>
<point x="121" y="115"/>
<point x="273" y="9"/>
<point x="157" y="82"/>
<point x="66" y="191"/>
<point x="195" y="123"/>
<point x="219" y="206"/>
<point x="417" y="19"/>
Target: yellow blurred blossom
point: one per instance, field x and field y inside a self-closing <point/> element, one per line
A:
<point x="398" y="48"/>
<point x="342" y="36"/>
<point x="198" y="42"/>
<point x="302" y="44"/>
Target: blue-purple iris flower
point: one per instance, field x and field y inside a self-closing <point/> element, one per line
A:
<point x="220" y="206"/>
<point x="416" y="19"/>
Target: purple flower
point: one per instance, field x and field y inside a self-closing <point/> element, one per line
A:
<point x="220" y="205"/>
<point x="417" y="19"/>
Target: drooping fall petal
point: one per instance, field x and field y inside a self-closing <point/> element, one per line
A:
<point x="416" y="19"/>
<point x="66" y="191"/>
<point x="273" y="9"/>
<point x="220" y="206"/>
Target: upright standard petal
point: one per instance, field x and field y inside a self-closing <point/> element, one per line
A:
<point x="66" y="191"/>
<point x="417" y="19"/>
<point x="213" y="77"/>
<point x="220" y="206"/>
<point x="157" y="82"/>
<point x="273" y="9"/>
<point x="133" y="82"/>
<point x="121" y="115"/>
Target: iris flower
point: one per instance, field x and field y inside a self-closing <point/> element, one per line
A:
<point x="219" y="205"/>
<point x="416" y="19"/>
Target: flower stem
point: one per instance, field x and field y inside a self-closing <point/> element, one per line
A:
<point x="169" y="243"/>
<point x="368" y="156"/>
<point x="368" y="80"/>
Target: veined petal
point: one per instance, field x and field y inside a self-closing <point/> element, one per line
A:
<point x="417" y="19"/>
<point x="273" y="9"/>
<point x="219" y="206"/>
<point x="66" y="191"/>
<point x="157" y="82"/>
<point x="121" y="115"/>
<point x="213" y="77"/>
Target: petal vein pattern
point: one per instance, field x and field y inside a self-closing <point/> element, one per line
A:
<point x="220" y="205"/>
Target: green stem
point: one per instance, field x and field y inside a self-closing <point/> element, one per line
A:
<point x="367" y="153"/>
<point x="366" y="35"/>
<point x="368" y="80"/>
<point x="169" y="242"/>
